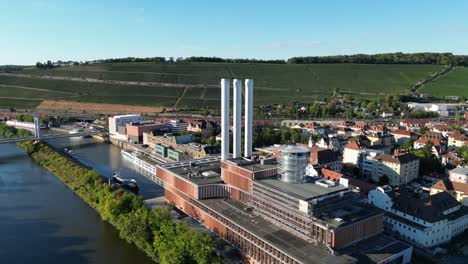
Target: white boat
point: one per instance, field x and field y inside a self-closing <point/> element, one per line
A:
<point x="128" y="155"/>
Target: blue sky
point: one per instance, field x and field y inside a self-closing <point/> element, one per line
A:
<point x="84" y="30"/>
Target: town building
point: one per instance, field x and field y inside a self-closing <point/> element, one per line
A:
<point x="324" y="158"/>
<point x="456" y="140"/>
<point x="355" y="152"/>
<point x="425" y="221"/>
<point x="135" y="130"/>
<point x="177" y="126"/>
<point x="400" y="168"/>
<point x="403" y="136"/>
<point x="117" y="125"/>
<point x="179" y="147"/>
<point x="458" y="190"/>
<point x="459" y="175"/>
<point x="452" y="160"/>
<point x="205" y="128"/>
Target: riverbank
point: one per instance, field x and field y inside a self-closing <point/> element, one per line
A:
<point x="151" y="230"/>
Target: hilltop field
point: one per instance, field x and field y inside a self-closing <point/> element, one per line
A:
<point x="196" y="85"/>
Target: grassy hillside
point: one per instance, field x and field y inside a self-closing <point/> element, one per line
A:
<point x="273" y="83"/>
<point x="454" y="83"/>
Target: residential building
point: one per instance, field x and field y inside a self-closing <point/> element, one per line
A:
<point x="451" y="160"/>
<point x="425" y="221"/>
<point x="324" y="158"/>
<point x="456" y="140"/>
<point x="205" y="128"/>
<point x="381" y="138"/>
<point x="400" y="168"/>
<point x="458" y="190"/>
<point x="181" y="144"/>
<point x="459" y="175"/>
<point x="403" y="136"/>
<point x="355" y="153"/>
<point x="437" y="147"/>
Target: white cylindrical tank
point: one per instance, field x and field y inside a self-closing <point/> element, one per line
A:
<point x="293" y="163"/>
<point x="248" y="93"/>
<point x="224" y="119"/>
<point x="237" y="99"/>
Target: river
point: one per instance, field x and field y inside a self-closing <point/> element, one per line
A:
<point x="42" y="221"/>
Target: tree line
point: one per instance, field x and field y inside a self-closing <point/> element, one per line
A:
<point x="387" y="58"/>
<point x="383" y="58"/>
<point x="151" y="230"/>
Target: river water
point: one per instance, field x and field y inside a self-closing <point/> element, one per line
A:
<point x="42" y="221"/>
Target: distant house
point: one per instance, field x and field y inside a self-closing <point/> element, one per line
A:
<point x="403" y="136"/>
<point x="456" y="140"/>
<point x="458" y="190"/>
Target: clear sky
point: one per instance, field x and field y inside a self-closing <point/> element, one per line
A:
<point x="39" y="30"/>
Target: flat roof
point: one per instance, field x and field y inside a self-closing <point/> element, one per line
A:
<point x="376" y="249"/>
<point x="192" y="170"/>
<point x="303" y="191"/>
<point x="460" y="170"/>
<point x="252" y="166"/>
<point x="294" y="246"/>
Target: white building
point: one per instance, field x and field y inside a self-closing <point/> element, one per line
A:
<point x="399" y="169"/>
<point x="440" y="109"/>
<point x="120" y="121"/>
<point x="402" y="136"/>
<point x="456" y="140"/>
<point x="425" y="222"/>
<point x="459" y="175"/>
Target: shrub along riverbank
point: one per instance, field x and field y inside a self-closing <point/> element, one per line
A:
<point x="151" y="230"/>
<point x="11" y="132"/>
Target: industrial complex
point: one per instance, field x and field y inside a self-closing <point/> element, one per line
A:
<point x="269" y="209"/>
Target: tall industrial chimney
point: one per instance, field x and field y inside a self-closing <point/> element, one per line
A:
<point x="248" y="117"/>
<point x="224" y="119"/>
<point x="237" y="116"/>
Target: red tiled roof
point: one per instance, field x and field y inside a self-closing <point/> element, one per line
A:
<point x="435" y="142"/>
<point x="331" y="175"/>
<point x="402" y="132"/>
<point x="353" y="145"/>
<point x="447" y="185"/>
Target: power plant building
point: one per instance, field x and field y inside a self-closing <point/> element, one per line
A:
<point x="271" y="211"/>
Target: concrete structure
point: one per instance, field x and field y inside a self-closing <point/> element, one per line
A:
<point x="426" y="222"/>
<point x="237" y="116"/>
<point x="224" y="119"/>
<point x="459" y="175"/>
<point x="248" y="93"/>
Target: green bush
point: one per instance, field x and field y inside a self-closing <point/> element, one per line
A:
<point x="151" y="230"/>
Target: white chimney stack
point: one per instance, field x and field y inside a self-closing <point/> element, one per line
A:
<point x="248" y="118"/>
<point x="225" y="119"/>
<point x="237" y="116"/>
